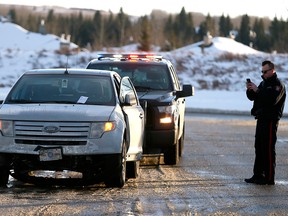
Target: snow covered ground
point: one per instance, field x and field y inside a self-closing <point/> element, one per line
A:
<point x="218" y="72"/>
<point x="205" y="100"/>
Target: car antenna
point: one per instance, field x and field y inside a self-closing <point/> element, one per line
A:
<point x="66" y="71"/>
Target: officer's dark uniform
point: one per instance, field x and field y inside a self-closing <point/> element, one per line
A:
<point x="267" y="108"/>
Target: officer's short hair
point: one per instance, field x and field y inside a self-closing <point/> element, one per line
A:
<point x="271" y="65"/>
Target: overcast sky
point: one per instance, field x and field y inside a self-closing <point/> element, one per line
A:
<point x="260" y="8"/>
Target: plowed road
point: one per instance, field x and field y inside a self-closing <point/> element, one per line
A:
<point x="218" y="155"/>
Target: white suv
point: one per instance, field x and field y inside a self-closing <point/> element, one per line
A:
<point x="86" y="121"/>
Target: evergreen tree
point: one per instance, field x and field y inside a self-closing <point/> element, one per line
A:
<point x="179" y="27"/>
<point x="12" y="15"/>
<point x="189" y="35"/>
<point x="170" y="36"/>
<point x="169" y="32"/>
<point x="109" y="28"/>
<point x="121" y="23"/>
<point x="86" y="33"/>
<point x="78" y="21"/>
<point x="181" y="31"/>
<point x="279" y="34"/>
<point x="157" y="21"/>
<point x="73" y="27"/>
<point x="228" y="25"/>
<point x="225" y="26"/>
<point x="222" y="26"/>
<point x="276" y="29"/>
<point x="31" y="23"/>
<point x="50" y="21"/>
<point x="145" y="37"/>
<point x="208" y="26"/>
<point x="261" y="41"/>
<point x="244" y="32"/>
<point x="98" y="27"/>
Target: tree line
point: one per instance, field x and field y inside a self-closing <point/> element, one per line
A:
<point x="169" y="31"/>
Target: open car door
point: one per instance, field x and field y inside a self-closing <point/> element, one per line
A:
<point x="134" y="115"/>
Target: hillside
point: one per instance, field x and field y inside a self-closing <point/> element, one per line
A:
<point x="224" y="65"/>
<point x="198" y="17"/>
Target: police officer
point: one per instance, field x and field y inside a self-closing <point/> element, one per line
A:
<point x="269" y="99"/>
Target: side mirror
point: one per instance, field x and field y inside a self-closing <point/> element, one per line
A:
<point x="188" y="90"/>
<point x="130" y="100"/>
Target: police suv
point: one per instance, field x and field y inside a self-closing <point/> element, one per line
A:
<point x="161" y="96"/>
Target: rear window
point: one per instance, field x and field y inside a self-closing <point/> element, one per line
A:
<point x="71" y="89"/>
<point x="143" y="76"/>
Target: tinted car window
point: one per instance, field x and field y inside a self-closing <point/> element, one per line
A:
<point x="96" y="90"/>
<point x="154" y="77"/>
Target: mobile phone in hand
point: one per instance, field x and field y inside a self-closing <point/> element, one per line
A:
<point x="248" y="80"/>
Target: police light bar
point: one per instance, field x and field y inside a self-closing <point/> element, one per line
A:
<point x="109" y="55"/>
<point x="142" y="56"/>
<point x="129" y="56"/>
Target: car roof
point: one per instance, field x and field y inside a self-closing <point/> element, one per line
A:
<point x="73" y="71"/>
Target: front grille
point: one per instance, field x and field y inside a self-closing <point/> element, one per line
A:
<point x="150" y="117"/>
<point x="49" y="142"/>
<point x="51" y="133"/>
<point x="149" y="114"/>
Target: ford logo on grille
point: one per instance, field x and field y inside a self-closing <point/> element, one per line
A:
<point x="51" y="129"/>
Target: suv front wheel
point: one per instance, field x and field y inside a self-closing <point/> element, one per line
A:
<point x="4" y="176"/>
<point x="4" y="170"/>
<point x="133" y="169"/>
<point x="116" y="171"/>
<point x="181" y="142"/>
<point x="171" y="156"/>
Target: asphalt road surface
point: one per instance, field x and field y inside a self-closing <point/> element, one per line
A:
<point x="209" y="180"/>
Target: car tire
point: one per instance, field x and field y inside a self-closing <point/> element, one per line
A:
<point x="133" y="169"/>
<point x="171" y="156"/>
<point x="116" y="172"/>
<point x="181" y="142"/>
<point x="4" y="177"/>
<point x="4" y="170"/>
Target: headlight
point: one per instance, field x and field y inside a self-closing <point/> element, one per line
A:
<point x="99" y="128"/>
<point x="168" y="114"/>
<point x="6" y="127"/>
<point x="167" y="109"/>
<point x="166" y="120"/>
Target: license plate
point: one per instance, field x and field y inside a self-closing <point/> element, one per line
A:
<point x="50" y="154"/>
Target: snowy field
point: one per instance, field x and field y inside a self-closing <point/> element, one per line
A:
<point x="219" y="80"/>
<point x="222" y="101"/>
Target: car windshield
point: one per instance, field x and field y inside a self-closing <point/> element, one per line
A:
<point x="144" y="76"/>
<point x="60" y="88"/>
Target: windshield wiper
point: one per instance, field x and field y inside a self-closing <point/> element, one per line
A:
<point x="142" y="88"/>
<point x="21" y="101"/>
<point x="59" y="102"/>
<point x="39" y="102"/>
